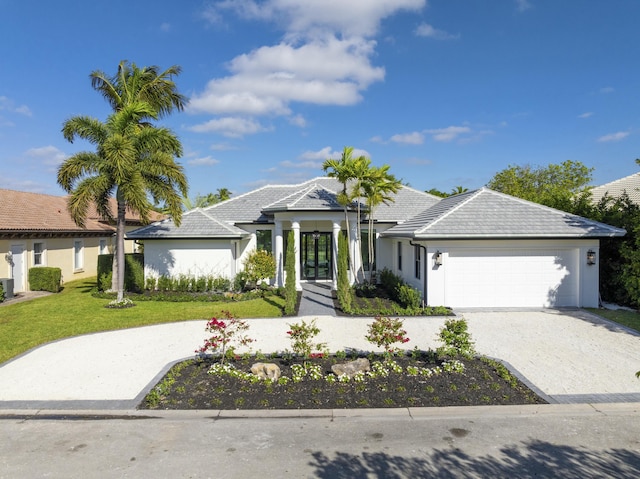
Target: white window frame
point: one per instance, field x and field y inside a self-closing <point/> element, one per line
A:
<point x="103" y="246"/>
<point x="43" y="254"/>
<point x="78" y="255"/>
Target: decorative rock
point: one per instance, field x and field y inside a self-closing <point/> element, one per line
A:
<point x="266" y="371"/>
<point x="352" y="368"/>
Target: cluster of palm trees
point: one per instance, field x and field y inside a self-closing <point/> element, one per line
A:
<point x="134" y="159"/>
<point x="361" y="182"/>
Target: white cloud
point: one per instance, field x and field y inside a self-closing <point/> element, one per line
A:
<point x="620" y="135"/>
<point x="587" y="114"/>
<point x="522" y="5"/>
<point x="229" y="126"/>
<point x="222" y="147"/>
<point x="165" y="27"/>
<point x="315" y="165"/>
<point x="48" y="155"/>
<point x="449" y="133"/>
<point x="307" y="18"/>
<point x="606" y="90"/>
<point x="426" y="30"/>
<point x="266" y="80"/>
<point x="7" y="104"/>
<point x="203" y="161"/>
<point x="327" y="153"/>
<point x="414" y="138"/>
<point x="324" y="58"/>
<point x="298" y="120"/>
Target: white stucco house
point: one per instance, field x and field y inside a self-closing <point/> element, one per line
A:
<point x="477" y="249"/>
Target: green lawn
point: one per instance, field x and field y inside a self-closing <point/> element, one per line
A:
<point x="74" y="311"/>
<point x="630" y="319"/>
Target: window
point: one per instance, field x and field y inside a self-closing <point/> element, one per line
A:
<point x="78" y="255"/>
<point x="264" y="241"/>
<point x="399" y="256"/>
<point x="103" y="247"/>
<point x="416" y="252"/>
<point x="38" y="254"/>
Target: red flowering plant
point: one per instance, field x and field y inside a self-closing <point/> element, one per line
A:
<point x="385" y="333"/>
<point x="302" y="335"/>
<point x="226" y="331"/>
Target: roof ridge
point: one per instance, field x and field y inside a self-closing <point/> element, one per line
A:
<point x="470" y="194"/>
<point x="619" y="180"/>
<point x="215" y="220"/>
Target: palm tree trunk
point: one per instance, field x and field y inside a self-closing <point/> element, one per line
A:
<point x="120" y="245"/>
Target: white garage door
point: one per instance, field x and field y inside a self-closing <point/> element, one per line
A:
<point x="513" y="278"/>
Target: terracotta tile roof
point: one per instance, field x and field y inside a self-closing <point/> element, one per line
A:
<point x="22" y="212"/>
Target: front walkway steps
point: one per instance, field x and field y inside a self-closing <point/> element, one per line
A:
<point x="316" y="300"/>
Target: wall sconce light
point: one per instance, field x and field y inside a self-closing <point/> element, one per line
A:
<point x="316" y="234"/>
<point x="591" y="257"/>
<point x="437" y="258"/>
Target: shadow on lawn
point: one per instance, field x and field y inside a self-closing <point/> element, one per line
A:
<point x="532" y="459"/>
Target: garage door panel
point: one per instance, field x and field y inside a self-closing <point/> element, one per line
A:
<point x="511" y="279"/>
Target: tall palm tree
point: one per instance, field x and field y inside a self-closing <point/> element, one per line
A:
<point x="378" y="187"/>
<point x="342" y="170"/>
<point x="361" y="171"/>
<point x="134" y="160"/>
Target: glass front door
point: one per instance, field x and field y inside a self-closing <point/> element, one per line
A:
<point x="316" y="256"/>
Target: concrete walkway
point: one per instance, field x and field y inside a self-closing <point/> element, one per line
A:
<point x="567" y="356"/>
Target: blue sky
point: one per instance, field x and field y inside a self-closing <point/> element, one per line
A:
<point x="447" y="92"/>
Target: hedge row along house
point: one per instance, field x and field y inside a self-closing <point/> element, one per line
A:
<point x="477" y="249"/>
<point x="37" y="230"/>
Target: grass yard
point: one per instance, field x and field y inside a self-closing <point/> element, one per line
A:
<point x="630" y="319"/>
<point x="75" y="311"/>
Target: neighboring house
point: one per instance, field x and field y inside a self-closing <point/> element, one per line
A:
<point x="476" y="249"/>
<point x="629" y="184"/>
<point x="37" y="230"/>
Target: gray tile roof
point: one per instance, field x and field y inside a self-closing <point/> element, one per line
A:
<point x="630" y="184"/>
<point x="485" y="214"/>
<point x="312" y="198"/>
<point x="195" y="224"/>
<point x="258" y="206"/>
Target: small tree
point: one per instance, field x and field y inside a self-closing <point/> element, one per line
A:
<point x="302" y="335"/>
<point x="385" y="333"/>
<point x="290" y="292"/>
<point x="259" y="265"/>
<point x="226" y="332"/>
<point x="456" y="338"/>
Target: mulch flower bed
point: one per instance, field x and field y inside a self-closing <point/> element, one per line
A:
<point x="188" y="385"/>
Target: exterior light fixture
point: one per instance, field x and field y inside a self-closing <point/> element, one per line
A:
<point x="591" y="257"/>
<point x="437" y="258"/>
<point x="316" y="234"/>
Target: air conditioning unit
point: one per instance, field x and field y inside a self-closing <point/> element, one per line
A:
<point x="7" y="286"/>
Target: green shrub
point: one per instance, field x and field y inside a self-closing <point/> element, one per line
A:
<point x="220" y="284"/>
<point x="240" y="281"/>
<point x="133" y="270"/>
<point x="290" y="292"/>
<point x="390" y="281"/>
<point x="1" y="293"/>
<point x="259" y="265"/>
<point x="456" y="338"/>
<point x="150" y="283"/>
<point x="105" y="281"/>
<point x="408" y="297"/>
<point x="344" y="288"/>
<point x="45" y="279"/>
<point x="165" y="283"/>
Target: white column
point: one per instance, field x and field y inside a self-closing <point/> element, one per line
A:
<point x="278" y="254"/>
<point x="295" y="226"/>
<point x="336" y="233"/>
<point x="356" y="258"/>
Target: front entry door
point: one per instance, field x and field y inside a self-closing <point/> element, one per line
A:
<point x="316" y="256"/>
<point x="17" y="267"/>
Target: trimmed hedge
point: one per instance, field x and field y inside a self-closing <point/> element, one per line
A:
<point x="45" y="279"/>
<point x="133" y="270"/>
